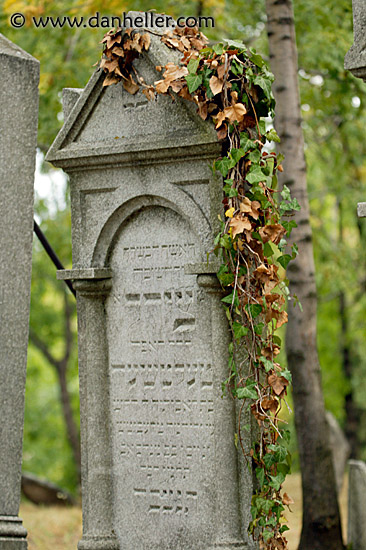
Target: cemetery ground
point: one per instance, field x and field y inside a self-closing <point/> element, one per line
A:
<point x="60" y="528"/>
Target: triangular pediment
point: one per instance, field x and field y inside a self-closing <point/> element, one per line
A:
<point x="109" y="121"/>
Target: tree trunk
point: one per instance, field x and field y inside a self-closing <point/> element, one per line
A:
<point x="321" y="529"/>
<point x="353" y="414"/>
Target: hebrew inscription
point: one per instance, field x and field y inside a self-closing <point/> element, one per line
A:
<point x="162" y="403"/>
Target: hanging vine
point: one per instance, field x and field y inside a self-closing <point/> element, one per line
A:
<point x="231" y="85"/>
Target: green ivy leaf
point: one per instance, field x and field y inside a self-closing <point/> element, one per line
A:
<point x="256" y="175"/>
<point x="284" y="260"/>
<point x="224" y="165"/>
<point x="194" y="81"/>
<point x="268" y="250"/>
<point x="247" y="143"/>
<point x="218" y="48"/>
<point x="276" y="481"/>
<point x="229" y="190"/>
<point x="256" y="59"/>
<point x="254" y="309"/>
<point x="254" y="156"/>
<point x="239" y="330"/>
<point x="268" y="365"/>
<point x="289" y="226"/>
<point x="265" y="84"/>
<point x="246" y="393"/>
<point x="286" y="374"/>
<point x="237" y="154"/>
<point x="260" y="474"/>
<point x="229" y="299"/>
<point x="193" y="66"/>
<point x="272" y="135"/>
<point x="235" y="45"/>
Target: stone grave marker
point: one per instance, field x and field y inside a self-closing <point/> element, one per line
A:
<point x="18" y="141"/>
<point x="357" y="505"/>
<point x="355" y="59"/>
<point x="159" y="464"/>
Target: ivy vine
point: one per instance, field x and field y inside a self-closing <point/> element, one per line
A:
<point x="232" y="85"/>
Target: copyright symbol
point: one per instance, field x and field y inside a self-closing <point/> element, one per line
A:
<point x="17" y="20"/>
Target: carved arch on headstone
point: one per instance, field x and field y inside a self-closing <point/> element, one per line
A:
<point x="111" y="229"/>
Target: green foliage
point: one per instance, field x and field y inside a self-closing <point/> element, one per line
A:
<point x="47" y="452"/>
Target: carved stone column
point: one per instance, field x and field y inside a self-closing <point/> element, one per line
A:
<point x="229" y="531"/>
<point x="96" y="452"/>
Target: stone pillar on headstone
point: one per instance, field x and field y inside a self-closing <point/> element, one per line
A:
<point x="18" y="141"/>
<point x="355" y="59"/>
<point x="159" y="462"/>
<point x="357" y="505"/>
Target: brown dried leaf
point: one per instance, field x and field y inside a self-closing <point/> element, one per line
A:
<point x="149" y="92"/>
<point x="270" y="403"/>
<point x="221" y="71"/>
<point x="177" y="85"/>
<point x="219" y="119"/>
<point x="185" y="93"/>
<point x="235" y="113"/>
<point x="216" y="85"/>
<point x="202" y="109"/>
<point x="130" y="85"/>
<point x="161" y="86"/>
<point x="118" y="51"/>
<point x="287" y="500"/>
<point x="234" y="97"/>
<point x="111" y="78"/>
<point x="269" y="351"/>
<point x="273" y="232"/>
<point x="277" y="383"/>
<point x="250" y="207"/>
<point x="145" y="41"/>
<point x="222" y="132"/>
<point x="198" y="44"/>
<point x="239" y="224"/>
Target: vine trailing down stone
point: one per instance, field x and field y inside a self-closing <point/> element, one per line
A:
<point x="231" y="85"/>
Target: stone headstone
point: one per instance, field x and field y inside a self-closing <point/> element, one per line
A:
<point x="18" y="140"/>
<point x="159" y="462"/>
<point x="340" y="448"/>
<point x="357" y="505"/>
<point x="355" y="59"/>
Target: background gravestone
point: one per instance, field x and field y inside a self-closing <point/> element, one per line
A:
<point x="357" y="505"/>
<point x="18" y="140"/>
<point x="355" y="59"/>
<point x="159" y="462"/>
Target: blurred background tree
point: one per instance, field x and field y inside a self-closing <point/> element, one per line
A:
<point x="334" y="122"/>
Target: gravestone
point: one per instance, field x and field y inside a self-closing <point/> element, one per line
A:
<point x="355" y="59"/>
<point x="159" y="463"/>
<point x="357" y="505"/>
<point x="340" y="448"/>
<point x="18" y="140"/>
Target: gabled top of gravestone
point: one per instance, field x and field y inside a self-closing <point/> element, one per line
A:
<point x="107" y="124"/>
<point x="9" y="49"/>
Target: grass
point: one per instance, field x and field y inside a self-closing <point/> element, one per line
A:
<point x="60" y="528"/>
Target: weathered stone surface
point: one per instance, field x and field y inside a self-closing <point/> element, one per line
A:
<point x="361" y="210"/>
<point x="357" y="505"/>
<point x="340" y="448"/>
<point x="18" y="137"/>
<point x="355" y="59"/>
<point x="159" y="463"/>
